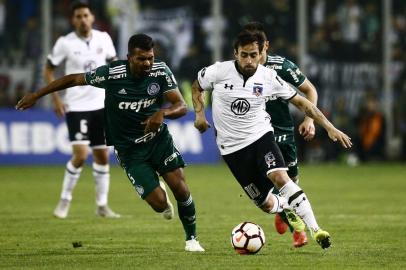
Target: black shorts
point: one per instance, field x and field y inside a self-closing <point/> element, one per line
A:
<point x="251" y="165"/>
<point x="86" y="127"/>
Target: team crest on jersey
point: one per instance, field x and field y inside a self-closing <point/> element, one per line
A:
<point x="153" y="89"/>
<point x="257" y="89"/>
<point x="270" y="159"/>
<point x="139" y="189"/>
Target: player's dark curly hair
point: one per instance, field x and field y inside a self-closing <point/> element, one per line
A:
<point x="141" y="41"/>
<point x="246" y="37"/>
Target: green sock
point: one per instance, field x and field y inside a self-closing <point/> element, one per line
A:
<point x="187" y="215"/>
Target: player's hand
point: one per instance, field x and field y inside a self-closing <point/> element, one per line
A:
<point x="341" y="137"/>
<point x="201" y="124"/>
<point x="59" y="108"/>
<point x="26" y="102"/>
<point x="307" y="129"/>
<point x="153" y="122"/>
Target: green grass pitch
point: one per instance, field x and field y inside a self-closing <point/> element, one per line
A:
<point x="362" y="207"/>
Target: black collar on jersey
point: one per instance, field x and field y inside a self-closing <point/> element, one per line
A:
<point x="245" y="78"/>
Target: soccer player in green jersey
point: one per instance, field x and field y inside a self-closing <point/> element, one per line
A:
<point x="136" y="90"/>
<point x="282" y="120"/>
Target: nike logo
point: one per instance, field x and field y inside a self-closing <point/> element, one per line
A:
<point x="238" y="239"/>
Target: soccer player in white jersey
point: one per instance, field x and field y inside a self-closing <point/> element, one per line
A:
<point x="83" y="50"/>
<point x="244" y="133"/>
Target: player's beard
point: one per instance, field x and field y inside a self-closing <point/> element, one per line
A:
<point x="249" y="71"/>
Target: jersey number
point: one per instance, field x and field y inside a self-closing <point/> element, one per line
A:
<point x="83" y="126"/>
<point x="281" y="138"/>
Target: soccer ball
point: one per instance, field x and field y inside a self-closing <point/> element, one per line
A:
<point x="247" y="238"/>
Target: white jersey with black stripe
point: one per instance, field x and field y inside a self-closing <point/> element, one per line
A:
<point x="238" y="103"/>
<point x="80" y="56"/>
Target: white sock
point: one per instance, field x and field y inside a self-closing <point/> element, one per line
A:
<point x="297" y="199"/>
<point x="70" y="179"/>
<point x="279" y="203"/>
<point x="102" y="179"/>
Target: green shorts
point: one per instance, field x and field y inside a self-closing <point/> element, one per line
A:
<point x="145" y="162"/>
<point x="287" y="145"/>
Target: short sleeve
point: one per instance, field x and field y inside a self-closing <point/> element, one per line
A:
<point x="280" y="88"/>
<point x="292" y="74"/>
<point x="98" y="77"/>
<point x="111" y="51"/>
<point x="59" y="52"/>
<point x="207" y="77"/>
<point x="170" y="81"/>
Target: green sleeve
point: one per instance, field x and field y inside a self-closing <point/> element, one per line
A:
<point x="98" y="77"/>
<point x="169" y="81"/>
<point x="291" y="73"/>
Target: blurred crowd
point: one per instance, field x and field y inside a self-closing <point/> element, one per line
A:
<point x="342" y="35"/>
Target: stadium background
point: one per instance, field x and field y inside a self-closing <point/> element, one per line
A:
<point x="357" y="65"/>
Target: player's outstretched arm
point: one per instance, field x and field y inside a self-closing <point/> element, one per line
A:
<point x="198" y="104"/>
<point x="312" y="111"/>
<point x="306" y="128"/>
<point x="176" y="110"/>
<point x="66" y="81"/>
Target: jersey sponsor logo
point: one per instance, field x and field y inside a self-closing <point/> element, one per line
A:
<point x="153" y="89"/>
<point x="157" y="73"/>
<point x="146" y="137"/>
<point x="98" y="79"/>
<point x="293" y="74"/>
<point x="274" y="66"/>
<point x="228" y="86"/>
<point x="240" y="106"/>
<point x="270" y="159"/>
<point x="252" y="191"/>
<point x="117" y="76"/>
<point x="257" y="89"/>
<point x="136" y="105"/>
<point x="171" y="157"/>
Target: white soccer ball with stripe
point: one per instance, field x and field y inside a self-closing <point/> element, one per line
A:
<point x="247" y="238"/>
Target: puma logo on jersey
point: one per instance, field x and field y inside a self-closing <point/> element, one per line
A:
<point x="136" y="105"/>
<point x="122" y="92"/>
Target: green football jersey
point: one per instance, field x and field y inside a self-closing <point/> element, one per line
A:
<point x="130" y="100"/>
<point x="279" y="108"/>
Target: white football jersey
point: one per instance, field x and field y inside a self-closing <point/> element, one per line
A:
<point x="238" y="106"/>
<point x="82" y="56"/>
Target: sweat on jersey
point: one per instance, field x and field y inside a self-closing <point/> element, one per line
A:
<point x="238" y="105"/>
<point x="81" y="56"/>
<point x="130" y="100"/>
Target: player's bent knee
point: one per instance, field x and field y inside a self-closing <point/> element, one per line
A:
<point x="157" y="200"/>
<point x="280" y="178"/>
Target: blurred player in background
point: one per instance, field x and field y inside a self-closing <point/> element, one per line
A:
<point x="282" y="121"/>
<point x="244" y="133"/>
<point x="136" y="90"/>
<point x="83" y="50"/>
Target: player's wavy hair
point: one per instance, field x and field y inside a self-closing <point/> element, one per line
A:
<point x="246" y="37"/>
<point x="255" y="26"/>
<point x="141" y="41"/>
